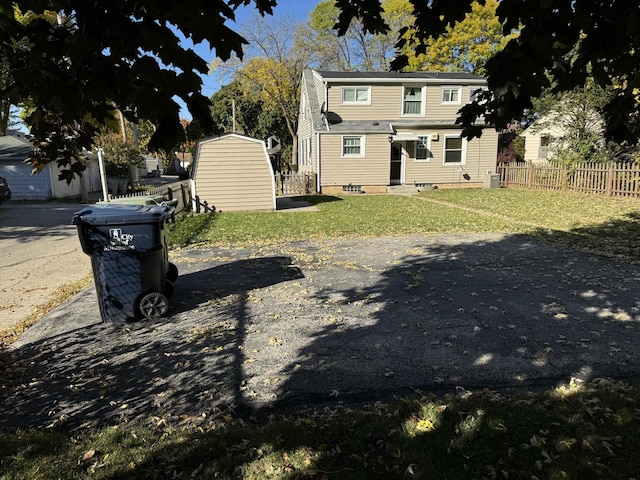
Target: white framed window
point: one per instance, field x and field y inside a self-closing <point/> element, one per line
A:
<point x="301" y="155"/>
<point x="455" y="150"/>
<point x="543" y="149"/>
<point x="359" y="95"/>
<point x="451" y="95"/>
<point x="309" y="152"/>
<point x="352" y="146"/>
<point x="423" y="149"/>
<point x="474" y="92"/>
<point x="413" y="100"/>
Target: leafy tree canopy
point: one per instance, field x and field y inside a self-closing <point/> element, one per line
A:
<point x="563" y="40"/>
<point x="107" y="54"/>
<point x="465" y="46"/>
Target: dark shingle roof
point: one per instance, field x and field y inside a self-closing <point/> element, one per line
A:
<point x="399" y="76"/>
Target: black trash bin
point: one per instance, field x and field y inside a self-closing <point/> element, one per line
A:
<point x="128" y="249"/>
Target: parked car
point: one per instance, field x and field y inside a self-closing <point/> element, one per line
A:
<point x="5" y="191"/>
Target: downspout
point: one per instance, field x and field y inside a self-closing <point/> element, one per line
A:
<point x="318" y="162"/>
<point x="192" y="179"/>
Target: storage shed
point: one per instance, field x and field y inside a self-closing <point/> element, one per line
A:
<point x="233" y="172"/>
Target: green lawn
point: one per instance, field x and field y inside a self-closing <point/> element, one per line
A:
<point x="567" y="433"/>
<point x="594" y="223"/>
<point x="577" y="432"/>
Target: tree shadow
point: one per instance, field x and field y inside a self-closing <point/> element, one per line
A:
<point x="91" y="373"/>
<point x="439" y="315"/>
<point x="352" y="320"/>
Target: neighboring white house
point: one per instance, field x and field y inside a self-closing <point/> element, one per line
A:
<point x="44" y="185"/>
<point x="233" y="172"/>
<point x="544" y="137"/>
<point x="536" y="142"/>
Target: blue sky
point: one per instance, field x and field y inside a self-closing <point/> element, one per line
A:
<point x="298" y="9"/>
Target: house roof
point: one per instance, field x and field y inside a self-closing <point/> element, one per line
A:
<point x="14" y="148"/>
<point x="421" y="77"/>
<point x="385" y="126"/>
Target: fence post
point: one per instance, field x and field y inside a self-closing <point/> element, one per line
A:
<point x="610" y="175"/>
<point x="530" y="172"/>
<point x="183" y="189"/>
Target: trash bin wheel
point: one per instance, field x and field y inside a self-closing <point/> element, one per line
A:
<point x="168" y="289"/>
<point x="172" y="273"/>
<point x="153" y="305"/>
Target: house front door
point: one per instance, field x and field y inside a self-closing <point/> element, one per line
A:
<point x="397" y="161"/>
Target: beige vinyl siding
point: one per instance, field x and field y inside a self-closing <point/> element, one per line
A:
<point x="234" y="173"/>
<point x="372" y="169"/>
<point x="481" y="154"/>
<point x="305" y="131"/>
<point x="386" y="102"/>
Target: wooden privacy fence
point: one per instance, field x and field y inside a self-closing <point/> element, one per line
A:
<point x="178" y="192"/>
<point x="295" y="183"/>
<point x="612" y="179"/>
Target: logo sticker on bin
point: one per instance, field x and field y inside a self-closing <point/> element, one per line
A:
<point x="119" y="240"/>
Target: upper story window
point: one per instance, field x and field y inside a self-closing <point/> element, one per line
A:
<point x="353" y="146"/>
<point x="455" y="150"/>
<point x="423" y="149"/>
<point x="413" y="101"/>
<point x="451" y="95"/>
<point x="356" y="95"/>
<point x="475" y="92"/>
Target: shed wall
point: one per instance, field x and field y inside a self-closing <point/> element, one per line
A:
<point x="234" y="173"/>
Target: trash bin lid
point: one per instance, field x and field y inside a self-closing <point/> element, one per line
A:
<point x="139" y="200"/>
<point x="122" y="214"/>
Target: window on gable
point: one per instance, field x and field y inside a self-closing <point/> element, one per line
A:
<point x="454" y="150"/>
<point x="356" y="95"/>
<point x="412" y="101"/>
<point x="423" y="149"/>
<point x="352" y="146"/>
<point x="451" y="95"/>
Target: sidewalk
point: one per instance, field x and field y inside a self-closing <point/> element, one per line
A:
<point x="324" y="321"/>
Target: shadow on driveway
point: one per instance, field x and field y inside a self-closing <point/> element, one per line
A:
<point x="299" y="323"/>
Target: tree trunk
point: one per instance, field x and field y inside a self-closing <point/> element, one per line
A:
<point x="5" y="111"/>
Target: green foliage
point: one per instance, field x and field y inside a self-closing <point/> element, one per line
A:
<point x="74" y="70"/>
<point x="119" y="155"/>
<point x="466" y="45"/>
<point x="267" y="83"/>
<point x="575" y="120"/>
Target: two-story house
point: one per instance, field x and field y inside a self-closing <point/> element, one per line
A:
<point x="366" y="131"/>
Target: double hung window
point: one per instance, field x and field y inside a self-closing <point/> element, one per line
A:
<point x="423" y="149"/>
<point x="454" y="150"/>
<point x="412" y="101"/>
<point x="451" y="95"/>
<point x="352" y="146"/>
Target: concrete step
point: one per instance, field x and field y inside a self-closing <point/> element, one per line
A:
<point x="402" y="189"/>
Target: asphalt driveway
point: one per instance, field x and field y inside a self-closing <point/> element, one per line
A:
<point x="283" y="325"/>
